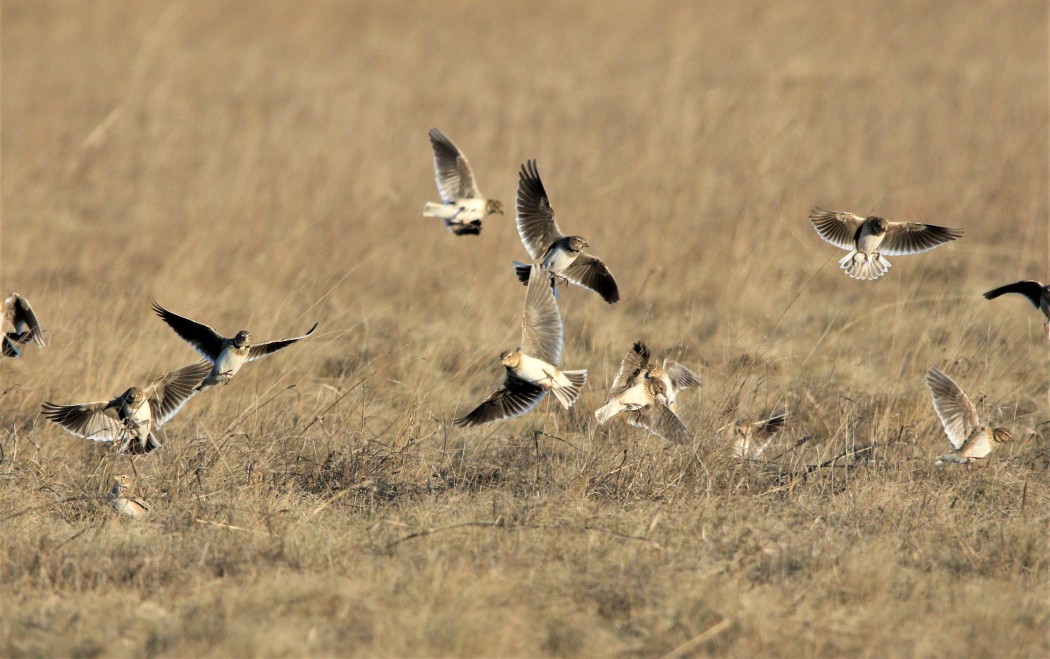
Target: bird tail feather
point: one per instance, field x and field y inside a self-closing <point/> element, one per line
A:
<point x="567" y="394"/>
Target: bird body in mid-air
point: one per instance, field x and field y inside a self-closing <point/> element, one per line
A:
<point x="131" y="418"/>
<point x="462" y="206"/>
<point x="227" y="355"/>
<point x="971" y="440"/>
<point x="868" y="238"/>
<point x="18" y="314"/>
<point x="1037" y="294"/>
<point x="561" y="257"/>
<point x="533" y="368"/>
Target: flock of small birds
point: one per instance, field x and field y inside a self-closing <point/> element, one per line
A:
<point x="643" y="393"/>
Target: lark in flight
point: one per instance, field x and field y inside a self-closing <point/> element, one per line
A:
<point x="674" y="376"/>
<point x="1037" y="294"/>
<point x="645" y="405"/>
<point x="561" y="256"/>
<point x="120" y="502"/>
<point x="462" y="205"/>
<point x="971" y="439"/>
<point x="131" y="418"/>
<point x="226" y="355"/>
<point x="18" y="314"/>
<point x="868" y="238"/>
<point x="533" y="368"/>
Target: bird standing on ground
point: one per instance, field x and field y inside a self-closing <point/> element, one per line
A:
<point x="1037" y="294"/>
<point x="226" y="355"/>
<point x="120" y="502"/>
<point x="463" y="206"/>
<point x="745" y="435"/>
<point x="533" y="368"/>
<point x="559" y="255"/>
<point x="19" y="315"/>
<point x="971" y="439"/>
<point x="131" y="417"/>
<point x="868" y="238"/>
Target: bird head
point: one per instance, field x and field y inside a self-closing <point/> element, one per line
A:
<point x="494" y="206"/>
<point x="243" y="339"/>
<point x="1000" y="435"/>
<point x="878" y="225"/>
<point x="576" y="243"/>
<point x="510" y="358"/>
<point x="135" y="396"/>
<point x="121" y="483"/>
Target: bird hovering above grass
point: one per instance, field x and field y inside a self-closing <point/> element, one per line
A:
<point x="674" y="376"/>
<point x="868" y="238"/>
<point x="1037" y="294"/>
<point x="462" y="206"/>
<point x="227" y="355"/>
<point x="561" y="256"/>
<point x="971" y="440"/>
<point x="19" y="315"/>
<point x="130" y="418"/>
<point x="533" y="369"/>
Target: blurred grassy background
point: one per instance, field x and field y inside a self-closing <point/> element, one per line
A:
<point x="263" y="166"/>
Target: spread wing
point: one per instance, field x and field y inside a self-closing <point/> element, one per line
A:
<point x="591" y="272"/>
<point x="1032" y="290"/>
<point x="451" y="169"/>
<point x="22" y="315"/>
<point x="680" y="376"/>
<point x="514" y="398"/>
<point x="541" y="326"/>
<point x="772" y="424"/>
<point x="167" y="394"/>
<point x="956" y="412"/>
<point x="535" y="217"/>
<point x="636" y="361"/>
<point x="98" y="422"/>
<point x="204" y="339"/>
<point x="661" y="421"/>
<point x="911" y="238"/>
<point x="837" y="227"/>
<point x="260" y="350"/>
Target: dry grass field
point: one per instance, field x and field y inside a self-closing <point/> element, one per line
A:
<point x="263" y="166"/>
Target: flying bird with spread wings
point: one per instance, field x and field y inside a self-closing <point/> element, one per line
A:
<point x="971" y="440"/>
<point x="462" y="206"/>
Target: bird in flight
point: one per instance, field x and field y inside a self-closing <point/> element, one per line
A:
<point x="868" y="238"/>
<point x="971" y="440"/>
<point x="226" y="355"/>
<point x="675" y="376"/>
<point x="19" y="315"/>
<point x="1037" y="294"/>
<point x="561" y="256"/>
<point x="130" y="418"/>
<point x="645" y="404"/>
<point x="533" y="368"/>
<point x="462" y="205"/>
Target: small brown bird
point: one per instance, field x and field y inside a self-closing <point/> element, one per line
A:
<point x="1037" y="294"/>
<point x="675" y="377"/>
<point x="971" y="439"/>
<point x="561" y="256"/>
<point x="19" y="315"/>
<point x="745" y="432"/>
<point x="868" y="238"/>
<point x="226" y="355"/>
<point x="645" y="405"/>
<point x="131" y="417"/>
<point x="463" y="206"/>
<point x="120" y="502"/>
<point x="533" y="368"/>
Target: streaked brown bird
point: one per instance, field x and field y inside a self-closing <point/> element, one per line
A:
<point x="122" y="503"/>
<point x="131" y="418"/>
<point x="18" y="314"/>
<point x="462" y="206"/>
<point x="1037" y="294"/>
<point x="971" y="440"/>
<point x="747" y="433"/>
<point x="645" y="406"/>
<point x="674" y="376"/>
<point x="868" y="238"/>
<point x="227" y="355"/>
<point x="533" y="368"/>
<point x="559" y="255"/>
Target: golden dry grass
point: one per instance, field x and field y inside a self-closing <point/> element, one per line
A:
<point x="263" y="165"/>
